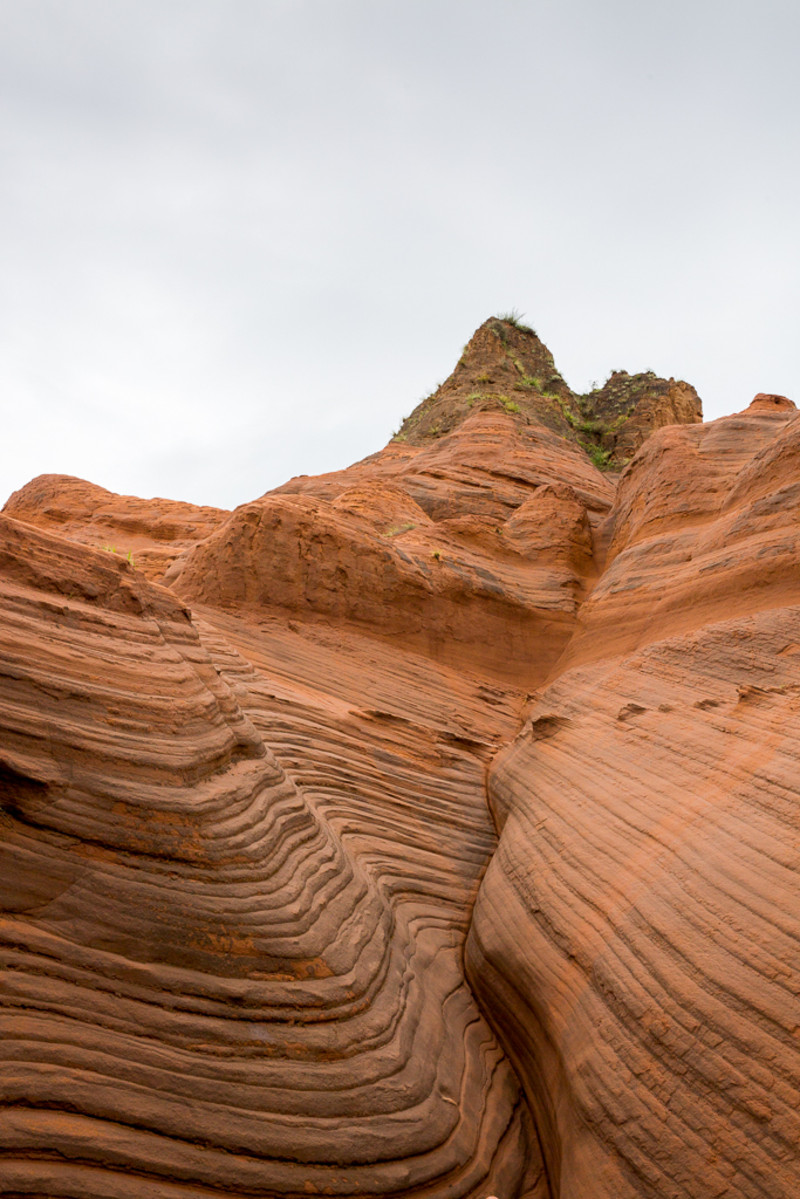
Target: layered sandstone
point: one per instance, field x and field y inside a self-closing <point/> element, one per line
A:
<point x="475" y="550"/>
<point x="235" y="892"/>
<point x="637" y="934"/>
<point x="428" y="828"/>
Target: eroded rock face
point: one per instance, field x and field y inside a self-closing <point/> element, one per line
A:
<point x="467" y="705"/>
<point x="235" y="897"/>
<point x="432" y="550"/>
<point x="636" y="936"/>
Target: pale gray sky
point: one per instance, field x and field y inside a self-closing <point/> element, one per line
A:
<point x="242" y="238"/>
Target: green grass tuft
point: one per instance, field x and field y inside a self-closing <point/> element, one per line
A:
<point x="513" y="317"/>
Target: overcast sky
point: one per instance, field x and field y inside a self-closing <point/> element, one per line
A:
<point x="242" y="238"/>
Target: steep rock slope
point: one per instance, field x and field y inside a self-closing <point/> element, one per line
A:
<point x="506" y="366"/>
<point x="637" y="936"/>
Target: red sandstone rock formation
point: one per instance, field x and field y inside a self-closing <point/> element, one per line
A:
<point x="475" y="550"/>
<point x="637" y="935"/>
<point x="246" y="849"/>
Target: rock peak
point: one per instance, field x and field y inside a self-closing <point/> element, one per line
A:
<point x="505" y="365"/>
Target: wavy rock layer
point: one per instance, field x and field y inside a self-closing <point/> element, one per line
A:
<point x="475" y="551"/>
<point x="637" y="936"/>
<point x="234" y="902"/>
<point x="150" y="533"/>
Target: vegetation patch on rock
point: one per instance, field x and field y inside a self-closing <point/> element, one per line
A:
<point x="506" y="366"/>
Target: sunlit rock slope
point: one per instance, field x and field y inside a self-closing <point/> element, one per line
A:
<point x="428" y="828"/>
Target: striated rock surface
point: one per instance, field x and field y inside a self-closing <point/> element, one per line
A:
<point x="475" y="550"/>
<point x="237" y="868"/>
<point x="637" y="936"/>
<point x="428" y="828"/>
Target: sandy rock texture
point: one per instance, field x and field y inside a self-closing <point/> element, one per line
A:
<point x="429" y="828"/>
<point x="237" y="869"/>
<point x="475" y="550"/>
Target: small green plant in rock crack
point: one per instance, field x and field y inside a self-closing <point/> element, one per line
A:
<point x="599" y="456"/>
<point x="591" y="426"/>
<point x="527" y="380"/>
<point x="509" y="404"/>
<point x="567" y="413"/>
<point x="582" y="423"/>
<point x="112" y="549"/>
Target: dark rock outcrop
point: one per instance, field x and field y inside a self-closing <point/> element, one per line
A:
<point x="506" y="366"/>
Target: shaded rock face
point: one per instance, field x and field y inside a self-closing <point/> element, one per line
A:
<point x="506" y="366"/>
<point x="424" y="829"/>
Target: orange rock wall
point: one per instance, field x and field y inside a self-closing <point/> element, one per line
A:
<point x="475" y="552"/>
<point x="636" y="936"/>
